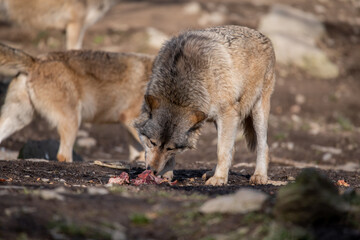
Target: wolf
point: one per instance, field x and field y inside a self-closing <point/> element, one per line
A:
<point x="225" y="75"/>
<point x="75" y="16"/>
<point x="70" y="87"/>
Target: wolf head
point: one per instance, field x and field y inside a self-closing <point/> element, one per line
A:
<point x="166" y="129"/>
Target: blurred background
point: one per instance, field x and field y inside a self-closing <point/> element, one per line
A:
<point x="315" y="111"/>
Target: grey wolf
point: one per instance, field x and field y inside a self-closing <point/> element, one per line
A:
<point x="223" y="74"/>
<point x="75" y="16"/>
<point x="67" y="88"/>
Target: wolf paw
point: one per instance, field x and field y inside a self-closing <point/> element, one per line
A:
<point x="207" y="175"/>
<point x="258" y="179"/>
<point x="216" y="181"/>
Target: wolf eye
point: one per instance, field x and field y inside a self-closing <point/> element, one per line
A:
<point x="152" y="143"/>
<point x="170" y="149"/>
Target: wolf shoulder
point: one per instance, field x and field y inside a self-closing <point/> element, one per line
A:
<point x="238" y="38"/>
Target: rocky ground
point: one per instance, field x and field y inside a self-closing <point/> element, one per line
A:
<point x="314" y="122"/>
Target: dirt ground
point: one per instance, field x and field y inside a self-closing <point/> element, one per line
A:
<point x="322" y="130"/>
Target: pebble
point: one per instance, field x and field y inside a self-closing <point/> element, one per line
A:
<point x="290" y="178"/>
<point x="86" y="142"/>
<point x="51" y="195"/>
<point x="192" y="8"/>
<point x="327" y="157"/>
<point x="97" y="191"/>
<point x="295" y="109"/>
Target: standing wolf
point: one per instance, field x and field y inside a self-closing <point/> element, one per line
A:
<point x="69" y="87"/>
<point x="75" y="16"/>
<point x="222" y="74"/>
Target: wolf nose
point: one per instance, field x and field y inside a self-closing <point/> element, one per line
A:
<point x="148" y="168"/>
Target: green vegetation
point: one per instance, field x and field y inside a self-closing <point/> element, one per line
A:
<point x="75" y="230"/>
<point x="139" y="219"/>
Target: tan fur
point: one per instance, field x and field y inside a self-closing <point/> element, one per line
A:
<point x="74" y="16"/>
<point x="68" y="88"/>
<point x="221" y="74"/>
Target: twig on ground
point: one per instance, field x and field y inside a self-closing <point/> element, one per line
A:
<point x="99" y="163"/>
<point x="348" y="167"/>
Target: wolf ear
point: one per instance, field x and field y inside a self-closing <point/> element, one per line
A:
<point x="197" y="117"/>
<point x="152" y="102"/>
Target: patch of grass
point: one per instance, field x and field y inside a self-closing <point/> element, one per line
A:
<point x="280" y="232"/>
<point x="99" y="39"/>
<point x="40" y="36"/>
<point x="117" y="189"/>
<point x="197" y="197"/>
<point x="255" y="217"/>
<point x="164" y="194"/>
<point x="305" y="127"/>
<point x="74" y="230"/>
<point x="208" y="238"/>
<point x="22" y="236"/>
<point x="28" y="191"/>
<point x="344" y="123"/>
<point x="139" y="219"/>
<point x="280" y="136"/>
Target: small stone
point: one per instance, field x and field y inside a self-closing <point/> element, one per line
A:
<point x="300" y="99"/>
<point x="295" y="118"/>
<point x="192" y="8"/>
<point x="290" y="146"/>
<point x="290" y="178"/>
<point x="156" y="38"/>
<point x="45" y="180"/>
<point x="82" y="133"/>
<point x="87" y="142"/>
<point x="243" y="201"/>
<point x="295" y="109"/>
<point x="214" y="18"/>
<point x="327" y="157"/>
<point x="320" y="8"/>
<point x="332" y="150"/>
<point x="51" y="195"/>
<point x="97" y="191"/>
<point x="314" y="128"/>
<point x="275" y="145"/>
<point x="60" y="190"/>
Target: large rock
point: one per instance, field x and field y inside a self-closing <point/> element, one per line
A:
<point x="294" y="34"/>
<point x="46" y="149"/>
<point x="243" y="201"/>
<point x="313" y="199"/>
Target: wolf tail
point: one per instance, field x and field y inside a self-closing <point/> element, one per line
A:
<point x="249" y="133"/>
<point x="15" y="59"/>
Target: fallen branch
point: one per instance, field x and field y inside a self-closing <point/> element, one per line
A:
<point x="348" y="167"/>
<point x="297" y="164"/>
<point x="99" y="163"/>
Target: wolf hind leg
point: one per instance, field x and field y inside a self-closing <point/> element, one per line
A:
<point x="260" y="115"/>
<point x="67" y="129"/>
<point x="17" y="111"/>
